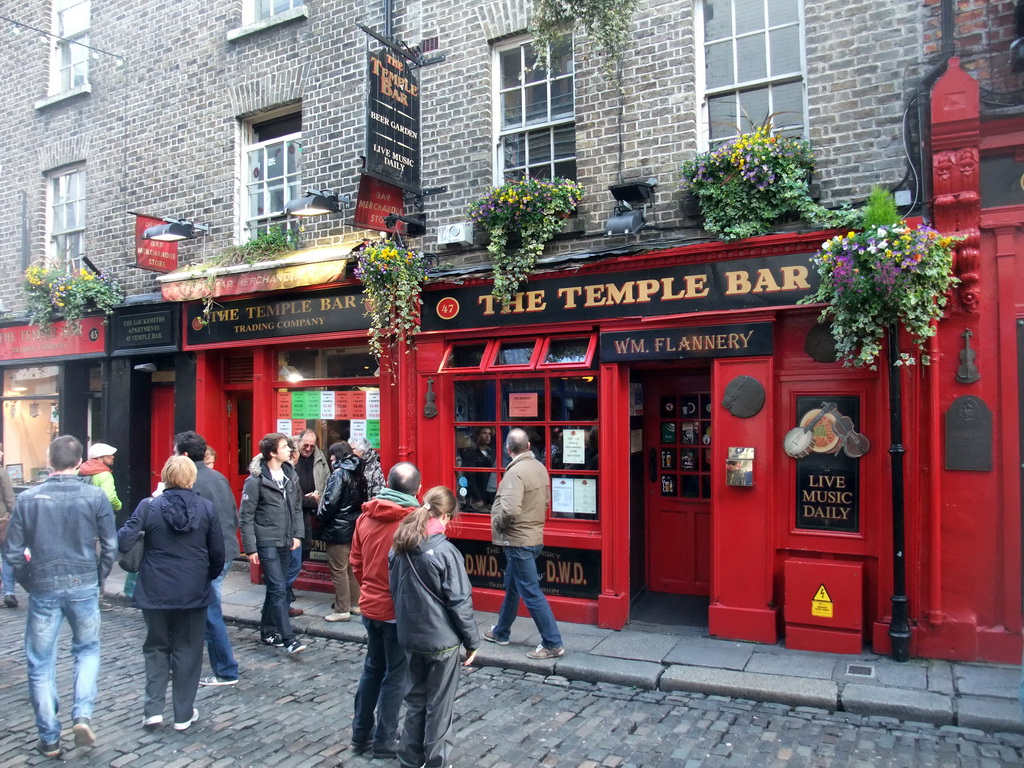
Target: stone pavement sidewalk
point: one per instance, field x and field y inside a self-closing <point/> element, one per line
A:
<point x="649" y="657"/>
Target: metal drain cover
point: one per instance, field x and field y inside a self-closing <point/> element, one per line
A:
<point x="860" y="670"/>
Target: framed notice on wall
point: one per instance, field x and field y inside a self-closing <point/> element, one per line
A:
<point x="828" y="477"/>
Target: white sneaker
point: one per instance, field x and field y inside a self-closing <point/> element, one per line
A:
<point x="338" y="616"/>
<point x="153" y="722"/>
<point x="184" y="726"/>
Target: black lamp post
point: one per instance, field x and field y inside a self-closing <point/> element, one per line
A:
<point x="899" y="626"/>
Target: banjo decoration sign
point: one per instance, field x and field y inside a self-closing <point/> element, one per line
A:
<point x="827" y="446"/>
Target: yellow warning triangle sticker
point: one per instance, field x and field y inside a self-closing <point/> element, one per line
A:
<point x="822" y="595"/>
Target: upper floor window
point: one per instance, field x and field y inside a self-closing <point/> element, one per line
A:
<point x="71" y="57"/>
<point x="264" y="9"/>
<point x="754" y="66"/>
<point x="273" y="165"/>
<point x="67" y="218"/>
<point x="535" y="115"/>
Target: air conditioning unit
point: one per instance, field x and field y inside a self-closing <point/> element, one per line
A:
<point x="455" y="234"/>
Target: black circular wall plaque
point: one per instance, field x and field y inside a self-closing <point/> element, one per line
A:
<point x="820" y="344"/>
<point x="744" y="397"/>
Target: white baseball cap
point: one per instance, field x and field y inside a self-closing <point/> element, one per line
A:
<point x="101" y="449"/>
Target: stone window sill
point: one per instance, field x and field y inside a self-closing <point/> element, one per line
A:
<point x="281" y="18"/>
<point x="63" y="96"/>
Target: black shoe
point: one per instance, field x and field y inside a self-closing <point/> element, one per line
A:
<point x="295" y="646"/>
<point x="84" y="735"/>
<point x="361" y="749"/>
<point x="10" y="601"/>
<point x="48" y="750"/>
<point x="275" y="640"/>
<point x="106" y="605"/>
<point x="385" y="753"/>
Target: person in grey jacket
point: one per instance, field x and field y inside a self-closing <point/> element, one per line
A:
<point x="213" y="486"/>
<point x="271" y="523"/>
<point x="434" y="616"/>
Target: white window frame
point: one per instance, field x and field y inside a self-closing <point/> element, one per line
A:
<point x="70" y="61"/>
<point x="784" y="121"/>
<point x="526" y="127"/>
<point x="66" y="207"/>
<point x="291" y="186"/>
<point x="262" y="10"/>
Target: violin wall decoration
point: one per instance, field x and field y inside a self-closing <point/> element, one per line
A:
<point x="825" y="430"/>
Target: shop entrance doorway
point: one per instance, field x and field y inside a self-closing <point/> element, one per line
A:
<point x="161" y="431"/>
<point x="240" y="447"/>
<point x="677" y="481"/>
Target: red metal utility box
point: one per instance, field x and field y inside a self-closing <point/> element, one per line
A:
<point x="824" y="608"/>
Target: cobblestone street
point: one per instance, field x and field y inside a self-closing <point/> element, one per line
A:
<point x="295" y="711"/>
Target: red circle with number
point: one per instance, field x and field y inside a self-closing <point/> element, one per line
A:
<point x="197" y="323"/>
<point x="447" y="308"/>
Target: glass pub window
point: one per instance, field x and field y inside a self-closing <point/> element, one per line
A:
<point x="273" y="162"/>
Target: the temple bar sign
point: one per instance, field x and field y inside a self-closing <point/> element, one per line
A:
<point x="393" y="120"/>
<point x="684" y="343"/>
<point x="714" y="286"/>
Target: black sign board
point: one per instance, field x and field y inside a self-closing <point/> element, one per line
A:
<point x="563" y="572"/>
<point x="827" y="479"/>
<point x="145" y="330"/>
<point x="684" y="343"/>
<point x="392" y="119"/>
<point x="681" y="289"/>
<point x="969" y="435"/>
<point x="273" y="316"/>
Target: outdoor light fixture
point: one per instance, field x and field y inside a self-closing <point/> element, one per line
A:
<point x="317" y="202"/>
<point x="173" y="230"/>
<point x="630" y="213"/>
<point x="416" y="224"/>
<point x="290" y="373"/>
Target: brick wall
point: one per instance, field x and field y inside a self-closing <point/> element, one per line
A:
<point x="160" y="132"/>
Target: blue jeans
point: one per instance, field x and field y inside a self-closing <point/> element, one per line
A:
<point x="382" y="686"/>
<point x="7" y="576"/>
<point x="294" y="568"/>
<point x="522" y="580"/>
<point x="274" y="618"/>
<point x="218" y="645"/>
<point x="46" y="612"/>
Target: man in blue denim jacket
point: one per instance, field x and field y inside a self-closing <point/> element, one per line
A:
<point x="51" y="543"/>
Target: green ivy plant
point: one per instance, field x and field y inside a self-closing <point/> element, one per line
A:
<point x="55" y="292"/>
<point x="746" y="185"/>
<point x="886" y="273"/>
<point x="607" y="24"/>
<point x="392" y="281"/>
<point x="533" y="210"/>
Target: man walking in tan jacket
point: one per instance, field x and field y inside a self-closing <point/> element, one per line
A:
<point x="517" y="524"/>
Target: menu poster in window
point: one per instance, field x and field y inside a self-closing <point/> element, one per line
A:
<point x="636" y="399"/>
<point x="16" y="473"/>
<point x="373" y="432"/>
<point x="359" y="404"/>
<point x="343" y="405"/>
<point x="561" y="496"/>
<point x="522" y="405"/>
<point x="357" y="428"/>
<point x="305" y="405"/>
<point x="297" y="426"/>
<point x="373" y="404"/>
<point x="573" y="446"/>
<point x="284" y="405"/>
<point x="284" y="426"/>
<point x="326" y="405"/>
<point x="584" y="496"/>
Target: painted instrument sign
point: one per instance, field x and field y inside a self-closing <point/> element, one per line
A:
<point x="827" y="475"/>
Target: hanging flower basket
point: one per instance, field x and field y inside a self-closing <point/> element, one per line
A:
<point x="888" y="273"/>
<point x="530" y="209"/>
<point x="392" y="280"/>
<point x="745" y="186"/>
<point x="54" y="294"/>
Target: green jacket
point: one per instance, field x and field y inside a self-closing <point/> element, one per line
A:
<point x="96" y="472"/>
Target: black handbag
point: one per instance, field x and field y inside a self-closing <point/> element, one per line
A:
<point x="131" y="560"/>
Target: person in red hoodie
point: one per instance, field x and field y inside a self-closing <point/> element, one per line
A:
<point x="384" y="681"/>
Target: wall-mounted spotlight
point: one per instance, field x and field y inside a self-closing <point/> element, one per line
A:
<point x="317" y="202"/>
<point x="173" y="230"/>
<point x="630" y="213"/>
<point x="146" y="367"/>
<point x="416" y="224"/>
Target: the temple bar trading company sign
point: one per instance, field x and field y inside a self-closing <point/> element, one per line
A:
<point x="267" y="318"/>
<point x="716" y="286"/>
<point x="393" y="120"/>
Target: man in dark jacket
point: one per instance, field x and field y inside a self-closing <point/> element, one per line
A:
<point x="340" y="506"/>
<point x="271" y="523"/>
<point x="213" y="486"/>
<point x="383" y="683"/>
<point x="62" y="579"/>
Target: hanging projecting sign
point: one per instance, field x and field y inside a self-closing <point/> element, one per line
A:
<point x="376" y="200"/>
<point x="393" y="120"/>
<point x="155" y="255"/>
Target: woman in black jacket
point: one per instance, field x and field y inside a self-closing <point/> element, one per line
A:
<point x="433" y="616"/>
<point x="341" y="505"/>
<point x="184" y="552"/>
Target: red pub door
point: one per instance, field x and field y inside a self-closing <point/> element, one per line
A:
<point x="161" y="431"/>
<point x="677" y="449"/>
